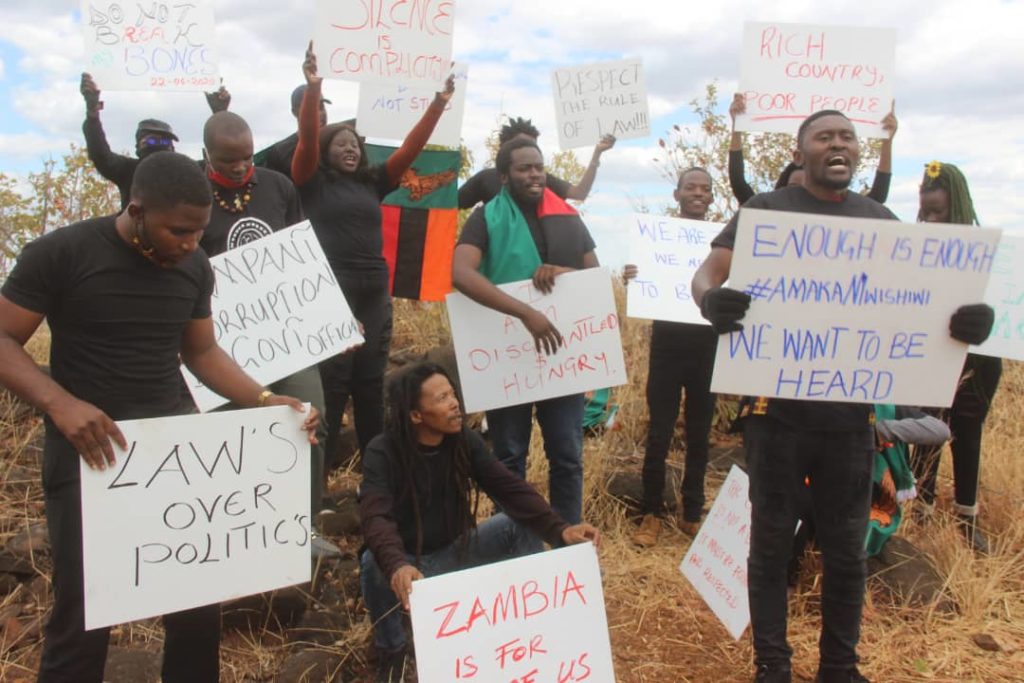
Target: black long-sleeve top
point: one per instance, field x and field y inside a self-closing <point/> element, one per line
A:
<point x="742" y="190"/>
<point x="115" y="167"/>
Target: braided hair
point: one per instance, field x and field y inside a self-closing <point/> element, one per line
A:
<point x="941" y="176"/>
<point x="404" y="394"/>
<point x="517" y="126"/>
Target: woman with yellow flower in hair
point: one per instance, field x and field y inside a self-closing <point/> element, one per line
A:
<point x="945" y="198"/>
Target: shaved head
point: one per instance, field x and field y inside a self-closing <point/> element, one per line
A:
<point x="224" y="124"/>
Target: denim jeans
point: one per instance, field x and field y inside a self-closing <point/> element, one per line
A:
<point x="498" y="538"/>
<point x="561" y="424"/>
<point x="840" y="467"/>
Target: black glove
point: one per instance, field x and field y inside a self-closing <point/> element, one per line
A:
<point x="972" y="324"/>
<point x="724" y="307"/>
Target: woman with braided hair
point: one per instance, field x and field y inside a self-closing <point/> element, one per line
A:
<point x="945" y="198"/>
<point x="418" y="499"/>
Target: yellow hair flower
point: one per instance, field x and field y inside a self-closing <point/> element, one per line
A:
<point x="933" y="169"/>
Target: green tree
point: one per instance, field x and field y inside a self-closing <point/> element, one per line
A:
<point x="71" y="190"/>
<point x="19" y="223"/>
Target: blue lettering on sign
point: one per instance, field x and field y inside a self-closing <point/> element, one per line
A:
<point x="813" y="241"/>
<point x="750" y="341"/>
<point x="866" y="384"/>
<point x="811" y="345"/>
<point x="954" y="253"/>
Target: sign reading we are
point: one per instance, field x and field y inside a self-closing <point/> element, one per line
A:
<point x="496" y="355"/>
<point x="199" y="509"/>
<point x="850" y="309"/>
<point x="150" y="45"/>
<point x="528" y="620"/>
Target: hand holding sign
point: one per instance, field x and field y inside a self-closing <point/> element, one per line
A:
<point x="581" y="533"/>
<point x="401" y="583"/>
<point x="88" y="429"/>
<point x="312" y="420"/>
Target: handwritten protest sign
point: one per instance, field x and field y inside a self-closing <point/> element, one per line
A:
<point x="199" y="509"/>
<point x="1005" y="294"/>
<point x="850" y="309"/>
<point x="598" y="99"/>
<point x="667" y="252"/>
<point x="716" y="563"/>
<point x="496" y="356"/>
<point x="384" y="41"/>
<point x="531" y="619"/>
<point x="390" y="111"/>
<point x="276" y="309"/>
<point x="150" y="45"/>
<point x="789" y="71"/>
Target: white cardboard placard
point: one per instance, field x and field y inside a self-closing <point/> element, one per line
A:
<point x="850" y="309"/>
<point x="199" y="509"/>
<point x="277" y="309"/>
<point x="667" y="252"/>
<point x="1005" y="294"/>
<point x="390" y="111"/>
<point x="535" y="618"/>
<point x="593" y="100"/>
<point x="496" y="356"/>
<point x="162" y="46"/>
<point x="789" y="71"/>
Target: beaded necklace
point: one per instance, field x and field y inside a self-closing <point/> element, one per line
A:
<point x="242" y="198"/>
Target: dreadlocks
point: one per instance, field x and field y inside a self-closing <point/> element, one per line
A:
<point x="404" y="392"/>
<point x="517" y="126"/>
<point x="941" y="176"/>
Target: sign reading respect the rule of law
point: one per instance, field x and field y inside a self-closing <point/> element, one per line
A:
<point x="1005" y="294"/>
<point x="199" y="509"/>
<point x="277" y="309"/>
<point x="716" y="562"/>
<point x="535" y="618"/>
<point x="667" y="252"/>
<point x="150" y="45"/>
<point x="789" y="71"/>
<point x="497" y="358"/>
<point x="594" y="100"/>
<point x="384" y="41"/>
<point x="850" y="309"/>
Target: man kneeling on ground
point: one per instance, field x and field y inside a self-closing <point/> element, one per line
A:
<point x="418" y="502"/>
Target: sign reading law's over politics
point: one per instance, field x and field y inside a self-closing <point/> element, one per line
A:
<point x="277" y="309"/>
<point x="598" y="99"/>
<point x="788" y="71"/>
<point x="390" y="111"/>
<point x="150" y="45"/>
<point x="850" y="309"/>
<point x="532" y="619"/>
<point x="497" y="359"/>
<point x="199" y="509"/>
<point x="384" y="41"/>
<point x="1005" y="294"/>
<point x="667" y="252"/>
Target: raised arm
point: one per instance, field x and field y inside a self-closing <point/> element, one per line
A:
<point x="737" y="174"/>
<point x="219" y="100"/>
<point x="109" y="164"/>
<point x="401" y="159"/>
<point x="580" y="190"/>
<point x="307" y="151"/>
<point x="883" y="175"/>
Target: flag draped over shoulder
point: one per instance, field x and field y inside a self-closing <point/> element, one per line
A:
<point x="419" y="221"/>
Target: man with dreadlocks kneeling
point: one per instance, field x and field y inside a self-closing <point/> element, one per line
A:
<point x="418" y="500"/>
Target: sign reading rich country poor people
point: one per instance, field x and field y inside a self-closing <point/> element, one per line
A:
<point x="667" y="252"/>
<point x="150" y="45"/>
<point x="277" y="308"/>
<point x="199" y="509"/>
<point x="384" y="41"/>
<point x="850" y="309"/>
<point x="390" y="111"/>
<point x="600" y="99"/>
<point x="716" y="562"/>
<point x="535" y="618"/>
<point x="498" y="362"/>
<point x="789" y="71"/>
<point x="1005" y="294"/>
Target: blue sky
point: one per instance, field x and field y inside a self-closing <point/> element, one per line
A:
<point x="959" y="92"/>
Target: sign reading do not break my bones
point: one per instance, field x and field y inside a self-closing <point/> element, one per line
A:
<point x="200" y="509"/>
<point x="276" y="309"/>
<point x="498" y="362"/>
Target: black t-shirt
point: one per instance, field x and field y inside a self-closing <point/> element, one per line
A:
<point x="485" y="186"/>
<point x="116" y="319"/>
<point x="346" y="216"/>
<point x="559" y="241"/>
<point x="274" y="205"/>
<point x="812" y="415"/>
<point x="278" y="156"/>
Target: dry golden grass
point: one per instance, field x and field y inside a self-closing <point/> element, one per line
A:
<point x="660" y="630"/>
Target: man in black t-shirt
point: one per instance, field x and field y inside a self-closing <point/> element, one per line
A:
<point x="788" y="441"/>
<point x="526" y="232"/>
<point x="417" y="509"/>
<point x="124" y="297"/>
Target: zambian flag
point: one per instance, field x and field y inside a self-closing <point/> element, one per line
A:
<point x="419" y="222"/>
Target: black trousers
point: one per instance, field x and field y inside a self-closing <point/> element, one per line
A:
<point x="840" y="466"/>
<point x="681" y="360"/>
<point x="359" y="374"/>
<point x="966" y="417"/>
<point x="73" y="655"/>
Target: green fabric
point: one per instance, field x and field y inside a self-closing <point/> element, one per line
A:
<point x="598" y="408"/>
<point x="439" y="170"/>
<point x="895" y="460"/>
<point x="511" y="252"/>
